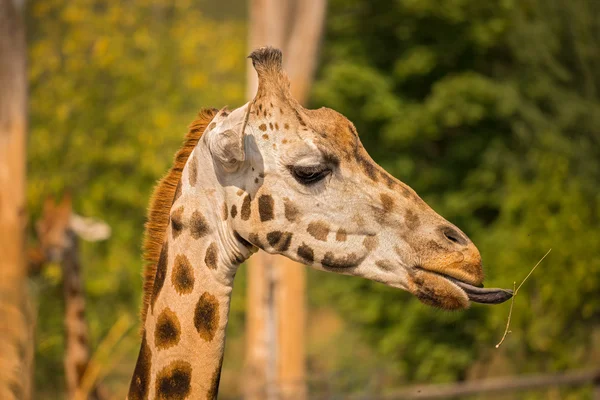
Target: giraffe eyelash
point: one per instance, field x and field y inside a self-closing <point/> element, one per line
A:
<point x="308" y="175"/>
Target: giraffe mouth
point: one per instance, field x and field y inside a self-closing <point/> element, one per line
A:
<point x="477" y="294"/>
<point x="482" y="295"/>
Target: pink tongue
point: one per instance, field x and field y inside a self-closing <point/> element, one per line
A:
<point x="486" y="296"/>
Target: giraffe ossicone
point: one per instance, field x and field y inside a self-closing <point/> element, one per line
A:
<point x="292" y="181"/>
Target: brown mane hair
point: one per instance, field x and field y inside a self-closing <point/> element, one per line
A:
<point x="162" y="200"/>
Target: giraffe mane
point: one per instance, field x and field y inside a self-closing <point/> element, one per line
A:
<point x="162" y="200"/>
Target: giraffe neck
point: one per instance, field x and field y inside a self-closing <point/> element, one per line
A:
<point x="184" y="331"/>
<point x="77" y="353"/>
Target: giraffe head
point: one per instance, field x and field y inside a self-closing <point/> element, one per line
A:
<point x="301" y="184"/>
<point x="58" y="226"/>
<point x="53" y="228"/>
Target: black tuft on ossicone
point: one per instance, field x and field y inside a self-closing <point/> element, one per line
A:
<point x="266" y="58"/>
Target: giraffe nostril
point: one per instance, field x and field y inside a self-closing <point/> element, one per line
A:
<point x="450" y="237"/>
<point x="453" y="235"/>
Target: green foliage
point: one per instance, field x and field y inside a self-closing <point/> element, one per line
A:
<point x="490" y="110"/>
<point x="113" y="87"/>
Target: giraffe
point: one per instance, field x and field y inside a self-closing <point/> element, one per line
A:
<point x="58" y="230"/>
<point x="275" y="176"/>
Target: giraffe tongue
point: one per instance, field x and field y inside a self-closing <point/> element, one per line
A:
<point x="481" y="295"/>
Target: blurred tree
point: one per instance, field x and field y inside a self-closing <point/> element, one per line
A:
<point x="491" y="111"/>
<point x="16" y="319"/>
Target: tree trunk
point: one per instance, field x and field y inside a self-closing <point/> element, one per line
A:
<point x="275" y="355"/>
<point x="16" y="345"/>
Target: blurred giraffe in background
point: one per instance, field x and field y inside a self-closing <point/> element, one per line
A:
<point x="58" y="230"/>
<point x="292" y="181"/>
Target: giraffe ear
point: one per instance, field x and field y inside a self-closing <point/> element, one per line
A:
<point x="89" y="229"/>
<point x="226" y="138"/>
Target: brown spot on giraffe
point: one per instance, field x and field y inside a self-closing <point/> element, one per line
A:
<point x="161" y="272"/>
<point x="177" y="224"/>
<point x="290" y="210"/>
<point x="286" y="126"/>
<point x="233" y="211"/>
<point x="406" y="192"/>
<point x="206" y="316"/>
<point x="224" y="212"/>
<point x="265" y="207"/>
<point x="348" y="261"/>
<point x="412" y="220"/>
<point x="255" y="240"/>
<point x="388" y="179"/>
<point x="370" y="242"/>
<point x="280" y="241"/>
<point x="213" y="390"/>
<point x="270" y="125"/>
<point x="193" y="171"/>
<point x="306" y="253"/>
<point x="359" y="220"/>
<point x="387" y="202"/>
<point x="385" y="265"/>
<point x="246" y="209"/>
<point x="168" y="329"/>
<point x="138" y="388"/>
<point x="367" y="166"/>
<point x="211" y="257"/>
<point x="198" y="225"/>
<point x="173" y="382"/>
<point x="262" y="127"/>
<point x="265" y="136"/>
<point x="319" y="230"/>
<point x="341" y="235"/>
<point x="182" y="276"/>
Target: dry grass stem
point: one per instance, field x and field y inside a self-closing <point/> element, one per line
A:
<point x="97" y="365"/>
<point x="512" y="300"/>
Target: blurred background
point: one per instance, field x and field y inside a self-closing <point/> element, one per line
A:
<point x="490" y="110"/>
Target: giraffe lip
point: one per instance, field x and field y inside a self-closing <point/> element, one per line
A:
<point x="480" y="294"/>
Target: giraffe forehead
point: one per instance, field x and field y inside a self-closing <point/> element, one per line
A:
<point x="323" y="131"/>
<point x="290" y="119"/>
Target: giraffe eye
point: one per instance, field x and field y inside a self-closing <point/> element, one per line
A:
<point x="308" y="175"/>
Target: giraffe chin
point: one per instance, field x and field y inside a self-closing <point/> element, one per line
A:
<point x="437" y="291"/>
